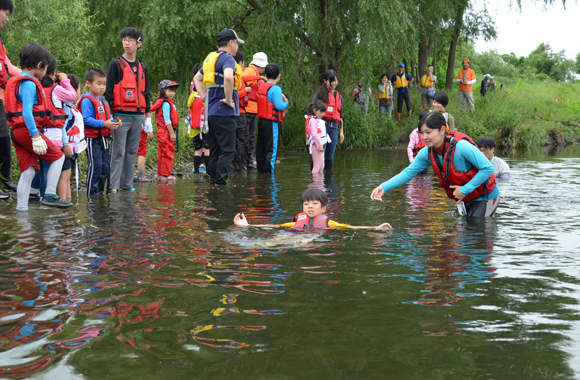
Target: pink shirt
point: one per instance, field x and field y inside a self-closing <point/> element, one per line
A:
<point x="413" y="141"/>
<point x="65" y="92"/>
<point x="313" y="127"/>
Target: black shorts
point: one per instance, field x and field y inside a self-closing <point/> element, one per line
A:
<point x="200" y="143"/>
<point x="69" y="162"/>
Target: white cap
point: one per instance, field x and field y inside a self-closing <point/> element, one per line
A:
<point x="487" y="76"/>
<point x="260" y="59"/>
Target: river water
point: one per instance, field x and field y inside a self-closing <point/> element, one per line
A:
<point x="159" y="284"/>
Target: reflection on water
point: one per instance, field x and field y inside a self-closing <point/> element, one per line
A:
<point x="139" y="285"/>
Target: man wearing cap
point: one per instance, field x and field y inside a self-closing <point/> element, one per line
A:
<point x="401" y="82"/>
<point x="222" y="106"/>
<point x="466" y="79"/>
<point x="484" y="85"/>
<point x="252" y="76"/>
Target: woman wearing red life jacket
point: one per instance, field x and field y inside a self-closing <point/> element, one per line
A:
<point x="463" y="171"/>
<point x="333" y="116"/>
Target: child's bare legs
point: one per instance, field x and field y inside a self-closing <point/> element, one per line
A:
<point x="63" y="189"/>
<point x="317" y="160"/>
<point x="141" y="167"/>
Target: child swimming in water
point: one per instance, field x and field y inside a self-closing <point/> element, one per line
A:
<point x="314" y="203"/>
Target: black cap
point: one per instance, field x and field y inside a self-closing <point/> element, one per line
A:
<point x="227" y="35"/>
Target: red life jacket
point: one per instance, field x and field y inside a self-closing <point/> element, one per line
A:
<point x="307" y="130"/>
<point x="333" y="107"/>
<point x="303" y="221"/>
<point x="266" y="109"/>
<point x="449" y="176"/>
<point x="58" y="114"/>
<point x="101" y="113"/>
<point x="419" y="146"/>
<point x="14" y="106"/>
<point x="253" y="95"/>
<point x="157" y="107"/>
<point x="196" y="111"/>
<point x="3" y="66"/>
<point x="128" y="94"/>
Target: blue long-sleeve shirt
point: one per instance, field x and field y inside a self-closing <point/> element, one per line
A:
<point x="89" y="113"/>
<point x="167" y="113"/>
<point x="27" y="96"/>
<point x="466" y="156"/>
<point x="275" y="96"/>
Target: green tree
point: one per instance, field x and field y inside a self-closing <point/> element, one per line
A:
<point x="64" y="27"/>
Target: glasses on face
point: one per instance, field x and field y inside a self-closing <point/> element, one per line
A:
<point x="129" y="40"/>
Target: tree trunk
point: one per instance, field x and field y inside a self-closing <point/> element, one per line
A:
<point x="423" y="55"/>
<point x="453" y="47"/>
<point x="434" y="62"/>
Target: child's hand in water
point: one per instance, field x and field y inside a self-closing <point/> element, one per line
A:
<point x="383" y="227"/>
<point x="240" y="220"/>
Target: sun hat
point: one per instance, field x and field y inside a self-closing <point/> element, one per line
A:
<point x="487" y="76"/>
<point x="260" y="59"/>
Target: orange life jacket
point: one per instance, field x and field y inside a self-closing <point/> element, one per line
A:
<point x="14" y="115"/>
<point x="102" y="112"/>
<point x="449" y="175"/>
<point x="333" y="107"/>
<point x="128" y="94"/>
<point x="157" y="107"/>
<point x="266" y="109"/>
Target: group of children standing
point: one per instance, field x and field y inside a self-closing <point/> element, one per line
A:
<point x="48" y="131"/>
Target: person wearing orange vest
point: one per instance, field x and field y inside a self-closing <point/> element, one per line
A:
<point x="401" y="81"/>
<point x="128" y="95"/>
<point x="6" y="69"/>
<point x="240" y="162"/>
<point x="98" y="127"/>
<point x="333" y="117"/>
<point x="167" y="120"/>
<point x="27" y="115"/>
<point x="252" y="77"/>
<point x="385" y="96"/>
<point x="466" y="78"/>
<point x="271" y="111"/>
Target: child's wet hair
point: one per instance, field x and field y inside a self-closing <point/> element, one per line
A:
<point x="6" y="5"/>
<point x="240" y="57"/>
<point x="93" y="73"/>
<point x="314" y="195"/>
<point x="33" y="54"/>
